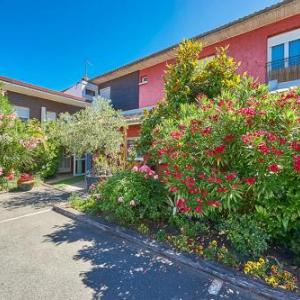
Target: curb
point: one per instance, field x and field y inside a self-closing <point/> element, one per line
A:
<point x="228" y="275"/>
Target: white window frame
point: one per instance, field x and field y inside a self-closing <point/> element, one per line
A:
<point x="283" y="38"/>
<point x="104" y="90"/>
<point x="25" y="109"/>
<point x="144" y="79"/>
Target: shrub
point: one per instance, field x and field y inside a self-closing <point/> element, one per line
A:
<point x="89" y="205"/>
<point x="237" y="154"/>
<point x="134" y="195"/>
<point x="246" y="236"/>
<point x="184" y="81"/>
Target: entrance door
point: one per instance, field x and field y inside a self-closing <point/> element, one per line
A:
<point x="79" y="165"/>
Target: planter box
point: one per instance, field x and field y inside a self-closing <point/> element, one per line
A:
<point x="26" y="186"/>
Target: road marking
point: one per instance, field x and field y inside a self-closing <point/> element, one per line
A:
<point x="25" y="216"/>
<point x="215" y="287"/>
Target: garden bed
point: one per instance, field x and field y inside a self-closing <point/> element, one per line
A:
<point x="106" y="221"/>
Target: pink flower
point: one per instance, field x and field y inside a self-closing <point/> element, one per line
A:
<point x="206" y="131"/>
<point x="1" y="171"/>
<point x="135" y="169"/>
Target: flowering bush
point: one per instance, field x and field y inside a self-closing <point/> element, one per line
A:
<point x="133" y="195"/>
<point x="238" y="153"/>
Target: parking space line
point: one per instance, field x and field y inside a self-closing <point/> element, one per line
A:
<point x="25" y="216"/>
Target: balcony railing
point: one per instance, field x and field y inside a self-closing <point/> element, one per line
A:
<point x="284" y="70"/>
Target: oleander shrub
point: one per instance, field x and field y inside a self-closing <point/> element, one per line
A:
<point x="236" y="154"/>
<point x="134" y="195"/>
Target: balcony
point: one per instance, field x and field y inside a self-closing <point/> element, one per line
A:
<point x="283" y="73"/>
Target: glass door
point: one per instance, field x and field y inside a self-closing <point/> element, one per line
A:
<point x="79" y="165"/>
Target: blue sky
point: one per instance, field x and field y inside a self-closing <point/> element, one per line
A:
<point x="47" y="42"/>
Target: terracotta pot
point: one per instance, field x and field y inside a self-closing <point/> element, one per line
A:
<point x="26" y="185"/>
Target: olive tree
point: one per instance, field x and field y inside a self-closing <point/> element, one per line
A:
<point x="95" y="130"/>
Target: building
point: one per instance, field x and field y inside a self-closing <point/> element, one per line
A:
<point x="267" y="43"/>
<point x="31" y="101"/>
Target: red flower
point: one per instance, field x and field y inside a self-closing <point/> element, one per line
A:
<point x="296" y="163"/>
<point x="177" y="135"/>
<point x="181" y="205"/>
<point x="198" y="209"/>
<point x="214" y="203"/>
<point x="202" y="176"/>
<point x="220" y="149"/>
<point x="295" y="146"/>
<point x="206" y="131"/>
<point x="222" y="190"/>
<point x="250" y="180"/>
<point x="214" y="179"/>
<point x="282" y="141"/>
<point x="263" y="148"/>
<point x="229" y="138"/>
<point x="162" y="151"/>
<point x="189" y="182"/>
<point x="231" y="176"/>
<point x="277" y="152"/>
<point x="182" y="127"/>
<point x="247" y="111"/>
<point x="274" y="168"/>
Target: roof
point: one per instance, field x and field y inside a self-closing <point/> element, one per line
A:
<point x="41" y="92"/>
<point x="266" y="16"/>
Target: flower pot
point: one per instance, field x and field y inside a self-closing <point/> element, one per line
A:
<point x="26" y="185"/>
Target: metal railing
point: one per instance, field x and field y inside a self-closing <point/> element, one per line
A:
<point x="284" y="70"/>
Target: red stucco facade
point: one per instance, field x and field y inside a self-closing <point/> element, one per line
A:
<point x="249" y="48"/>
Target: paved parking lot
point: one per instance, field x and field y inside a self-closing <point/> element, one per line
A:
<point x="44" y="255"/>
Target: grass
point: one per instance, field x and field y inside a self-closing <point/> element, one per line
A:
<point x="68" y="181"/>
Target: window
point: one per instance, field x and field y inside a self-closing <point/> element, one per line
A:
<point x="50" y="116"/>
<point x="278" y="57"/>
<point x="22" y="112"/>
<point x="90" y="93"/>
<point x="294" y="53"/>
<point x="144" y="79"/>
<point x="105" y="93"/>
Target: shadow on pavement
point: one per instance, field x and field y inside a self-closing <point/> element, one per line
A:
<point x="120" y="270"/>
<point x="37" y="198"/>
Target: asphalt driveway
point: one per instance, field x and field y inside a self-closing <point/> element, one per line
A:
<point x="44" y="255"/>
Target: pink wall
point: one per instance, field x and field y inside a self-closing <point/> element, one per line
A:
<point x="249" y="48"/>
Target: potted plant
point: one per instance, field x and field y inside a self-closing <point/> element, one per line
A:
<point x="25" y="182"/>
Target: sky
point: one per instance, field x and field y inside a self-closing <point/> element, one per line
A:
<point x="46" y="42"/>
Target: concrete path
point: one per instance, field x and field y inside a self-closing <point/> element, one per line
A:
<point x="44" y="255"/>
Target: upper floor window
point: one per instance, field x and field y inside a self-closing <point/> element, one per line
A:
<point x="143" y="79"/>
<point x="90" y="93"/>
<point x="50" y="115"/>
<point x="22" y="112"/>
<point x="105" y="92"/>
<point x="283" y="67"/>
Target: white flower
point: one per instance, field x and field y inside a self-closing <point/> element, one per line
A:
<point x="132" y="203"/>
<point x="155" y="177"/>
<point x="120" y="199"/>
